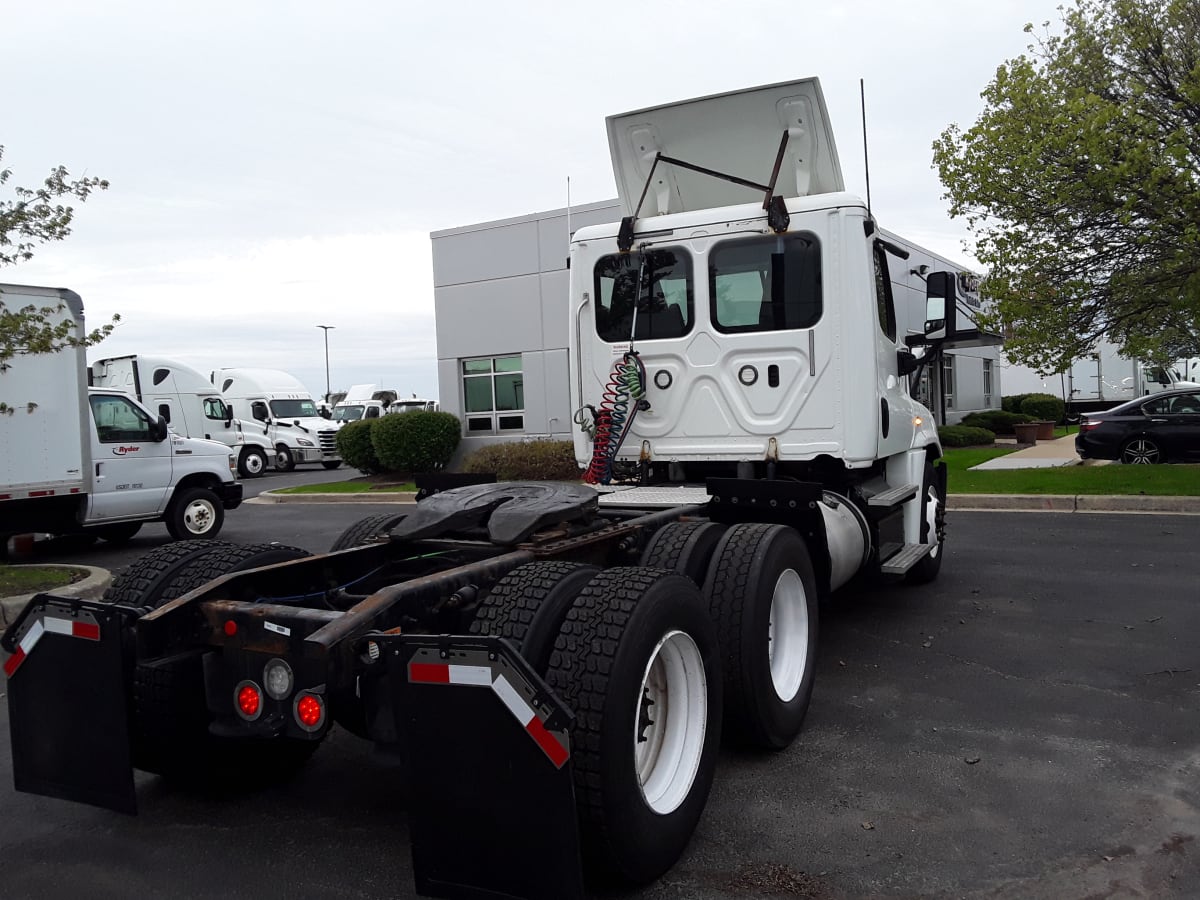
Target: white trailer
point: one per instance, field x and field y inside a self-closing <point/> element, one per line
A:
<point x="77" y="459"/>
<point x="276" y="405"/>
<point x="189" y="402"/>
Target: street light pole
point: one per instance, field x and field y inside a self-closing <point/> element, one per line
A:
<point x="326" y="329"/>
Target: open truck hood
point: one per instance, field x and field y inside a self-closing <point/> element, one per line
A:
<point x="738" y="134"/>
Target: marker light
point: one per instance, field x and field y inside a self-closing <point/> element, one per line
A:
<point x="277" y="679"/>
<point x="230" y="627"/>
<point x="248" y="699"/>
<point x="309" y="710"/>
<point x="917" y="421"/>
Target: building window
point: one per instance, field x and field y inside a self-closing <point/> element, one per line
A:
<point x="771" y="284"/>
<point x="948" y="380"/>
<point x="493" y="395"/>
<point x="987" y="382"/>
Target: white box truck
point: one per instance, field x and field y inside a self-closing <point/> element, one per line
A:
<point x="190" y="403"/>
<point x="75" y="459"/>
<point x="276" y="405"/>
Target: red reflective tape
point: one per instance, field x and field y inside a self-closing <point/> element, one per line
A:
<point x="41" y="493"/>
<point x="429" y="673"/>
<point x="89" y="630"/>
<point x="11" y="664"/>
<point x="552" y="748"/>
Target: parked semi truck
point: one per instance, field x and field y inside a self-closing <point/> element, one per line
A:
<point x="557" y="664"/>
<point x="75" y="459"/>
<point x="276" y="405"/>
<point x="363" y="401"/>
<point x="191" y="405"/>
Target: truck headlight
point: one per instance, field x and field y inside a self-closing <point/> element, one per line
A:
<point x="305" y="442"/>
<point x="232" y="465"/>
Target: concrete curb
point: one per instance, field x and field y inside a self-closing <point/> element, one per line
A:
<point x="89" y="588"/>
<point x="366" y="497"/>
<point x="1141" y="503"/>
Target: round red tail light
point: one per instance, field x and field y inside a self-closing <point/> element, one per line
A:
<point x="248" y="699"/>
<point x="309" y="710"/>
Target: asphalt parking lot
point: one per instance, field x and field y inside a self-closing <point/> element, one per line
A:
<point x="1023" y="728"/>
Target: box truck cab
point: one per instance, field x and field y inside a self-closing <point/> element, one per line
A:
<point x="191" y="405"/>
<point x="277" y="406"/>
<point x="75" y="459"/>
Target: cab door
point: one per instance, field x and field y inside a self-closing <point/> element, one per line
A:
<point x="131" y="464"/>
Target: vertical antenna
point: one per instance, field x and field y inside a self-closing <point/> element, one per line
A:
<point x="862" y="93"/>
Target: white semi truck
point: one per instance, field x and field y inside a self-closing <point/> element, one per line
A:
<point x="189" y="402"/>
<point x="75" y="459"/>
<point x="369" y="401"/>
<point x="557" y="664"/>
<point x="276" y="405"/>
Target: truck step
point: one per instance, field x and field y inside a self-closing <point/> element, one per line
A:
<point x="893" y="497"/>
<point x="905" y="558"/>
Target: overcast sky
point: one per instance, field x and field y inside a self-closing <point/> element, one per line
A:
<point x="279" y="165"/>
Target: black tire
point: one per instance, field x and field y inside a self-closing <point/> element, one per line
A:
<point x="933" y="522"/>
<point x="600" y="667"/>
<point x="252" y="462"/>
<point x="683" y="547"/>
<point x="528" y="606"/>
<point x="202" y="568"/>
<point x="284" y="461"/>
<point x="195" y="513"/>
<point x="1142" y="451"/>
<point x="117" y="533"/>
<point x="366" y="531"/>
<point x="769" y="667"/>
<point x="141" y="584"/>
<point x="331" y="464"/>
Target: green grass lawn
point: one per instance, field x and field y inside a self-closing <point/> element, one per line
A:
<point x="1169" y="480"/>
<point x="31" y="579"/>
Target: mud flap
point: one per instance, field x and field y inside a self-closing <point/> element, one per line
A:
<point x="67" y="701"/>
<point x="491" y="799"/>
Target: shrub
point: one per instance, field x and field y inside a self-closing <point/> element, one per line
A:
<point x="354" y="444"/>
<point x="1044" y="407"/>
<point x="964" y="436"/>
<point x="1013" y="404"/>
<point x="996" y="420"/>
<point x="414" y="442"/>
<point x="526" y="461"/>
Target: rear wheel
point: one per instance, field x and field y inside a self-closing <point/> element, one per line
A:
<point x="117" y="533"/>
<point x="195" y="513"/>
<point x="1141" y="451"/>
<point x="528" y="606"/>
<point x="637" y="660"/>
<point x="683" y="547"/>
<point x="762" y="593"/>
<point x="284" y="462"/>
<point x="252" y="463"/>
<point x="142" y="583"/>
<point x="369" y="530"/>
<point x="202" y="568"/>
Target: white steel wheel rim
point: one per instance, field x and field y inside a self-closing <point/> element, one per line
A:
<point x="255" y="462"/>
<point x="932" y="502"/>
<point x="198" y="517"/>
<point x="670" y="722"/>
<point x="787" y="635"/>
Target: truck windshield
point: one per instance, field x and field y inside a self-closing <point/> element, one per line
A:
<point x="348" y="413"/>
<point x="293" y="409"/>
<point x="663" y="299"/>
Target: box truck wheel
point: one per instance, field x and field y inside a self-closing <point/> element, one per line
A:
<point x="283" y="459"/>
<point x="252" y="462"/>
<point x="637" y="659"/>
<point x="683" y="547"/>
<point x="933" y="530"/>
<point x="366" y="531"/>
<point x="762" y="594"/>
<point x="195" y="513"/>
<point x="118" y="532"/>
<point x="331" y="464"/>
<point x="528" y="606"/>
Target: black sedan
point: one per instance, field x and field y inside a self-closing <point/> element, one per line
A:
<point x="1158" y="428"/>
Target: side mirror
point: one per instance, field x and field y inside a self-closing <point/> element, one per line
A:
<point x="939" y="305"/>
<point x="906" y="362"/>
<point x="159" y="431"/>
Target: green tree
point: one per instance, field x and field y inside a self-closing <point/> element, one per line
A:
<point x="30" y="218"/>
<point x="1080" y="182"/>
